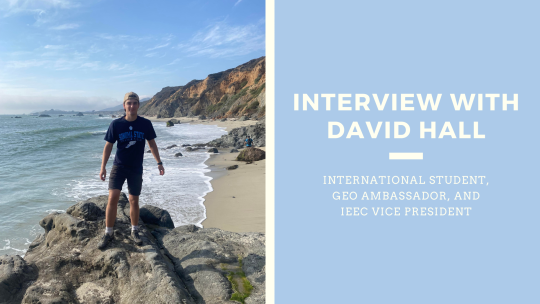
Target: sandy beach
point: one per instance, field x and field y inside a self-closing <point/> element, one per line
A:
<point x="237" y="202"/>
<point x="229" y="124"/>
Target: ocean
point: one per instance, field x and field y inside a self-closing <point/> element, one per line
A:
<point x="49" y="163"/>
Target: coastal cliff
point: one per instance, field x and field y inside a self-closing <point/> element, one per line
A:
<point x="186" y="264"/>
<point x="232" y="93"/>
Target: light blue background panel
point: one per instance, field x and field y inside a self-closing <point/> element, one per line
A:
<point x="413" y="47"/>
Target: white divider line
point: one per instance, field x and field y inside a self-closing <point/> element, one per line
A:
<point x="400" y="155"/>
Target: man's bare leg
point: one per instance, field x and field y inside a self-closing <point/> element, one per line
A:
<point x="134" y="209"/>
<point x="134" y="214"/>
<point x="110" y="218"/>
<point x="112" y="206"/>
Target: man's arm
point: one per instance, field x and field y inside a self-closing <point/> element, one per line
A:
<point x="106" y="154"/>
<point x="155" y="153"/>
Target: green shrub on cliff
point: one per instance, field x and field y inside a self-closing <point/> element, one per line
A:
<point x="256" y="92"/>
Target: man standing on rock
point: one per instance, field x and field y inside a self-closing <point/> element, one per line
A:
<point x="130" y="131"/>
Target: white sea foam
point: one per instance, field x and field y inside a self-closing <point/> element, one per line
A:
<point x="8" y="247"/>
<point x="98" y="132"/>
<point x="49" y="211"/>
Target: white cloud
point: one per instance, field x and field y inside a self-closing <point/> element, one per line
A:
<point x="158" y="47"/>
<point x="44" y="11"/>
<point x="177" y="60"/>
<point x="151" y="55"/>
<point x="117" y="67"/>
<point x="67" y="26"/>
<point x="91" y="65"/>
<point x="237" y="2"/>
<point x="121" y="37"/>
<point x="53" y="47"/>
<point x="223" y="40"/>
<point x="21" y="64"/>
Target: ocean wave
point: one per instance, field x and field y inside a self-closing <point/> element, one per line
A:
<point x="98" y="132"/>
<point x="49" y="211"/>
<point x="8" y="247"/>
<point x="51" y="131"/>
<point x="65" y="139"/>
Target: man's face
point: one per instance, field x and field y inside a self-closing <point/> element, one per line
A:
<point x="131" y="106"/>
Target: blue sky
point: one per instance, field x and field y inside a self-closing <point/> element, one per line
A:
<point x="85" y="54"/>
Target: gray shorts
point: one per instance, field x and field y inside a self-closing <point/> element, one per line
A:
<point x="120" y="174"/>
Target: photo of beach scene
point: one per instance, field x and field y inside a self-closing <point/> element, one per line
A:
<point x="198" y="69"/>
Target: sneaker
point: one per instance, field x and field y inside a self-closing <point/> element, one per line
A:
<point x="105" y="240"/>
<point x="136" y="238"/>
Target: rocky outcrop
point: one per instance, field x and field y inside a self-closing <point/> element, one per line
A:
<point x="186" y="264"/>
<point x="15" y="277"/>
<point x="236" y="137"/>
<point x="251" y="154"/>
<point x="156" y="216"/>
<point x="232" y="93"/>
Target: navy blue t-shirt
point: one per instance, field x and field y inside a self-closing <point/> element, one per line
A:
<point x="131" y="136"/>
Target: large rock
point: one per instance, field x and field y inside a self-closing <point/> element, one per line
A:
<point x="251" y="154"/>
<point x="15" y="277"/>
<point x="182" y="265"/>
<point x="86" y="210"/>
<point x="207" y="256"/>
<point x="237" y="136"/>
<point x="156" y="216"/>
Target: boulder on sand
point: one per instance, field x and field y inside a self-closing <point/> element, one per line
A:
<point x="251" y="154"/>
